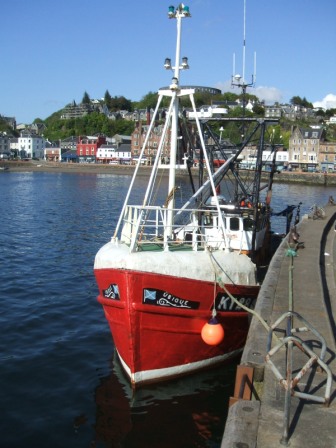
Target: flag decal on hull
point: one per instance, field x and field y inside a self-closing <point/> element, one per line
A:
<point x="163" y="298"/>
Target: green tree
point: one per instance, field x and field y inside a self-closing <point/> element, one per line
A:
<point x="295" y="101"/>
<point x="108" y="99"/>
<point x="330" y="113"/>
<point x="5" y="127"/>
<point x="149" y="100"/>
<point x="120" y="103"/>
<point x="258" y="110"/>
<point x="298" y="101"/>
<point x="229" y="96"/>
<point x="320" y="113"/>
<point x="86" y="98"/>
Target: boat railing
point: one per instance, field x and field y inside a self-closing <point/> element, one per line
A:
<point x="145" y="227"/>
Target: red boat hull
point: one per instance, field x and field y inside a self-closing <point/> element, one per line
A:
<point x="156" y="322"/>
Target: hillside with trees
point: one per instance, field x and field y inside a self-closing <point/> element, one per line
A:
<point x="95" y="122"/>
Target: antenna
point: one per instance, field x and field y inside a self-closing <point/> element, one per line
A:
<point x="238" y="80"/>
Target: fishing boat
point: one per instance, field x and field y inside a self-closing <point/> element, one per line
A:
<point x="175" y="279"/>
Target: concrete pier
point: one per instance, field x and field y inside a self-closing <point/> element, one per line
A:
<point x="306" y="284"/>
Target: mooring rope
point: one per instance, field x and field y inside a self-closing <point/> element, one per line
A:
<point x="222" y="285"/>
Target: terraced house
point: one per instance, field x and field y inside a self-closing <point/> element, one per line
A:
<point x="327" y="156"/>
<point x="304" y="148"/>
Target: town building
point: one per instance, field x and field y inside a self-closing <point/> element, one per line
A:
<point x="74" y="110"/>
<point x="28" y="146"/>
<point x="304" y="148"/>
<point x="327" y="156"/>
<point x="207" y="112"/>
<point x="5" y="151"/>
<point x="52" y="152"/>
<point x="118" y="139"/>
<point x="274" y="111"/>
<point x="138" y="138"/>
<point x="87" y="148"/>
<point x="69" y="144"/>
<point x="70" y="156"/>
<point x="272" y="154"/>
<point x="114" y="154"/>
<point x="290" y="112"/>
<point x="332" y="120"/>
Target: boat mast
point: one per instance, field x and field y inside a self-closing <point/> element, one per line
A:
<point x="238" y="80"/>
<point x="179" y="13"/>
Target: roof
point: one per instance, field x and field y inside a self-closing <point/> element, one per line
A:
<point x="124" y="147"/>
<point x="311" y="133"/>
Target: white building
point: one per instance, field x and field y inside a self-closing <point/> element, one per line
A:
<point x="31" y="146"/>
<point x="207" y="112"/>
<point x="113" y="153"/>
<point x="332" y="120"/>
<point x="281" y="157"/>
<point x="249" y="157"/>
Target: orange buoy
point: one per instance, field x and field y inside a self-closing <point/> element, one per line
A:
<point x="212" y="332"/>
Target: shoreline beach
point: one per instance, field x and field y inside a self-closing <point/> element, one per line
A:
<point x="64" y="167"/>
<point x="95" y="168"/>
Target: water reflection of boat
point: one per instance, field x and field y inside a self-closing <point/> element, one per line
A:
<point x="167" y="270"/>
<point x="185" y="412"/>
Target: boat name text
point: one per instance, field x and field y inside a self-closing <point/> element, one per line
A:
<point x="163" y="298"/>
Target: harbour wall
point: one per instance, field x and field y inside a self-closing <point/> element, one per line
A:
<point x="296" y="177"/>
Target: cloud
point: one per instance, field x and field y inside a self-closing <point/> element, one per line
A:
<point x="224" y="86"/>
<point x="328" y="102"/>
<point x="270" y="95"/>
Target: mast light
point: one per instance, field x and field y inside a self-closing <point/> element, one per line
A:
<point x="167" y="64"/>
<point x="171" y="12"/>
<point x="181" y="11"/>
<point x="185" y="64"/>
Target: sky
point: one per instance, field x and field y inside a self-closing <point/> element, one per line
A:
<point x="53" y="51"/>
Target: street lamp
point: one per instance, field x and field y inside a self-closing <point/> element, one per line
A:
<point x="221" y="129"/>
